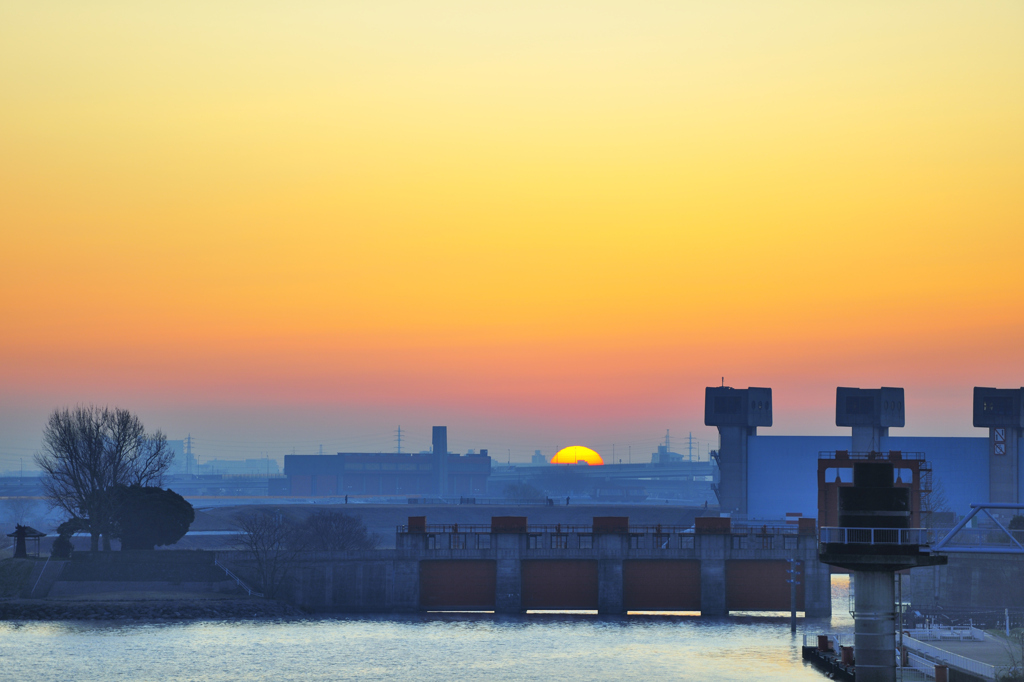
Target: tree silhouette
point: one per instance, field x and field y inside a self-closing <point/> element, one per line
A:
<point x="89" y="451"/>
<point x="147" y="517"/>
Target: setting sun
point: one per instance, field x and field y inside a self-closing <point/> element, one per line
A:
<point x="577" y="453"/>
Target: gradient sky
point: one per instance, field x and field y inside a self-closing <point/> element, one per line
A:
<point x="276" y="225"/>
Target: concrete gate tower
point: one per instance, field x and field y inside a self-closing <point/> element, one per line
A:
<point x="737" y="412"/>
<point x="874" y="538"/>
<point x="1001" y="410"/>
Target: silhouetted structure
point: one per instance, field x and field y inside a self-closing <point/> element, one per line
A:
<point x="737" y="413"/>
<point x="437" y="473"/>
<point x="873" y="541"/>
<point x="21" y="535"/>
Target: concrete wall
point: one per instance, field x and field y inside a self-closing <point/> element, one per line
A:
<point x="63" y="589"/>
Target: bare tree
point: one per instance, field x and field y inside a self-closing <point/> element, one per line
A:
<point x="333" y="531"/>
<point x="90" y="450"/>
<point x="265" y="536"/>
<point x="19" y="510"/>
<point x="933" y="501"/>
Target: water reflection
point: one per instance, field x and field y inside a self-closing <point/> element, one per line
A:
<point x="427" y="646"/>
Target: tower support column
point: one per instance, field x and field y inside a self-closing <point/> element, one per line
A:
<point x="874" y="607"/>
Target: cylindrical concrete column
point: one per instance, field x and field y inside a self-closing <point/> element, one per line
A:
<point x="874" y="646"/>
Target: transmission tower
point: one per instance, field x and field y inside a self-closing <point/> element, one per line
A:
<point x="398" y="438"/>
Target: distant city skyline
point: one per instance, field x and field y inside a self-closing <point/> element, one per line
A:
<point x="258" y="432"/>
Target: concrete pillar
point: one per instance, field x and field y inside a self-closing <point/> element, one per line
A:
<point x="732" y="462"/>
<point x="1003" y="467"/>
<point x="712" y="575"/>
<point x="609" y="587"/>
<point x="439" y="443"/>
<point x="508" y="587"/>
<point x="406" y="591"/>
<point x="868" y="438"/>
<point x="874" y="626"/>
<point x="737" y="413"/>
<point x="817" y="579"/>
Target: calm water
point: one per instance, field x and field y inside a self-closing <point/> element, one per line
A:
<point x="445" y="647"/>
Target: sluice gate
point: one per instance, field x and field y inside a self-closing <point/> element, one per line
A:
<point x="610" y="567"/>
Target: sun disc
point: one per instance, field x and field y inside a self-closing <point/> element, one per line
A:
<point x="577" y="453"/>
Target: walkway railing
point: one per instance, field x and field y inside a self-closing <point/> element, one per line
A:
<point x="955" y="633"/>
<point x="238" y="581"/>
<point x="745" y="530"/>
<point x="950" y="659"/>
<point x="869" y="456"/>
<point x="874" y="536"/>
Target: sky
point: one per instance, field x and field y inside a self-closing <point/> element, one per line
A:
<point x="278" y="225"/>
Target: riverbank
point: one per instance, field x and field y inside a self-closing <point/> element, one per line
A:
<point x="169" y="609"/>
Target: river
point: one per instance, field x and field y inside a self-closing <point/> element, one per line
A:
<point x="444" y="647"/>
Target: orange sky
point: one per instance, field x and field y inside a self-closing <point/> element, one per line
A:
<point x="539" y="223"/>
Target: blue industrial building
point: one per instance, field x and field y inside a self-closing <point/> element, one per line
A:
<point x="783" y="470"/>
<point x="768" y="477"/>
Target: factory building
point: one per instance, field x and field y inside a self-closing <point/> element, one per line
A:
<point x="767" y="477"/>
<point x="438" y="472"/>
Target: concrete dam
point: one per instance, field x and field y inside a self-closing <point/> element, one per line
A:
<point x="610" y="566"/>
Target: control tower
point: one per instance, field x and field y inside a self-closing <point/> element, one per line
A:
<point x="1001" y="410"/>
<point x="737" y="412"/>
<point x="874" y="538"/>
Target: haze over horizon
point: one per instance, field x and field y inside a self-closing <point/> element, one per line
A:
<point x="281" y="227"/>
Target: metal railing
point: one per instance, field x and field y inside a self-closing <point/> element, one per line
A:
<point x="943" y="657"/>
<point x="745" y="530"/>
<point x="837" y="640"/>
<point x="873" y="536"/>
<point x="921" y="665"/>
<point x="238" y="581"/>
<point x="958" y="633"/>
<point x="869" y="456"/>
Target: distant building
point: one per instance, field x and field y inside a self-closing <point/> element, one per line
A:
<point x="663" y="456"/>
<point x="240" y="467"/>
<point x="438" y="473"/>
<point x="538" y="458"/>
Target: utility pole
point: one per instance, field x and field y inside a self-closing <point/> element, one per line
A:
<point x="793" y="582"/>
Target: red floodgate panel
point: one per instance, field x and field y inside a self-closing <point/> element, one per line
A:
<point x="661" y="585"/>
<point x="759" y="586"/>
<point x="551" y="584"/>
<point x="455" y="585"/>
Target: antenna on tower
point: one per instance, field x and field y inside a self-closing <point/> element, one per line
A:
<point x="399" y="439"/>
